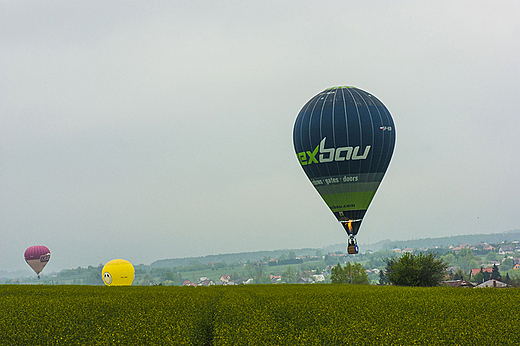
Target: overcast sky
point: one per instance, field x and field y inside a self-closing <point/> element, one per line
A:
<point x="147" y="130"/>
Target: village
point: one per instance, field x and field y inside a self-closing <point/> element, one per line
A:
<point x="469" y="265"/>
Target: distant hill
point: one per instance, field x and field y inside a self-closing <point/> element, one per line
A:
<point x="492" y="238"/>
<point x="244" y="257"/>
<point x="4" y="274"/>
<point x="241" y="257"/>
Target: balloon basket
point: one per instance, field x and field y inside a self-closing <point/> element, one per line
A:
<point x="353" y="249"/>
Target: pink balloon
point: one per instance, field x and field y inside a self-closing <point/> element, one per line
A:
<point x="37" y="257"/>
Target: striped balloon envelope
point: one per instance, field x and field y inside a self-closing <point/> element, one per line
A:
<point x="37" y="257"/>
<point x="344" y="138"/>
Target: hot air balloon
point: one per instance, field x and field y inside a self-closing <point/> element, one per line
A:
<point x="344" y="138"/>
<point x="37" y="257"/>
<point x="118" y="272"/>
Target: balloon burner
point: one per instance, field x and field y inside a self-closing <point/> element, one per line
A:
<point x="352" y="227"/>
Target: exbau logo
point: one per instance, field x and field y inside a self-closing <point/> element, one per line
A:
<point x="331" y="154"/>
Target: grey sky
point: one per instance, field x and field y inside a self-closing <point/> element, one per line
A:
<point x="161" y="129"/>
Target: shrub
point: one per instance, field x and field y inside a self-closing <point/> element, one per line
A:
<point x="349" y="274"/>
<point x="416" y="270"/>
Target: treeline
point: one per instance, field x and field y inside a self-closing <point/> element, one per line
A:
<point x="493" y="238"/>
<point x="283" y="262"/>
<point x="241" y="258"/>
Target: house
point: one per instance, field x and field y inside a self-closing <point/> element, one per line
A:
<point x="305" y="281"/>
<point x="492" y="283"/>
<point x="340" y="255"/>
<point x="207" y="282"/>
<point x="396" y="250"/>
<point x="370" y="271"/>
<point x="248" y="281"/>
<point x="505" y="249"/>
<point x="475" y="271"/>
<point x="452" y="269"/>
<point x="457" y="283"/>
<point x="189" y="283"/>
<point x="225" y="277"/>
<point x="516" y="266"/>
<point x="489" y="248"/>
<point x="408" y="249"/>
<point x="231" y="283"/>
<point x="319" y="278"/>
<point x="275" y="278"/>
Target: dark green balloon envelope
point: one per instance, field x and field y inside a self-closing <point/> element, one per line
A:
<point x="344" y="138"/>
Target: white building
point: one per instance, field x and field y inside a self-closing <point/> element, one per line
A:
<point x="492" y="283"/>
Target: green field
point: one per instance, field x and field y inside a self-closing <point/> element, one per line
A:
<point x="257" y="315"/>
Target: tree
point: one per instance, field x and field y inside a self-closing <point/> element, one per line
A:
<point x="465" y="252"/>
<point x="289" y="275"/>
<point x="515" y="282"/>
<point x="349" y="274"/>
<point x="464" y="256"/>
<point x="495" y="274"/>
<point x="486" y="275"/>
<point x="450" y="259"/>
<point x="472" y="264"/>
<point x="378" y="259"/>
<point x="416" y="270"/>
<point x="507" y="279"/>
<point x="478" y="278"/>
<point x="491" y="256"/>
<point x="256" y="271"/>
<point x="147" y="280"/>
<point x="459" y="274"/>
<point x="383" y="278"/>
<point x="507" y="263"/>
<point x="330" y="260"/>
<point x="94" y="279"/>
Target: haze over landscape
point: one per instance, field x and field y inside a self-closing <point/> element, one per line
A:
<point x="157" y="130"/>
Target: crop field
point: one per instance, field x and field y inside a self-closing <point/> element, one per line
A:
<point x="257" y="315"/>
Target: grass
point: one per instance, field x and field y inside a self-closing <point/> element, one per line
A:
<point x="257" y="315"/>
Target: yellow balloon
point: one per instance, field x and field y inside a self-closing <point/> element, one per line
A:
<point x="118" y="272"/>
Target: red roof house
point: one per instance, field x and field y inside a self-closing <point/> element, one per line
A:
<point x="475" y="271"/>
